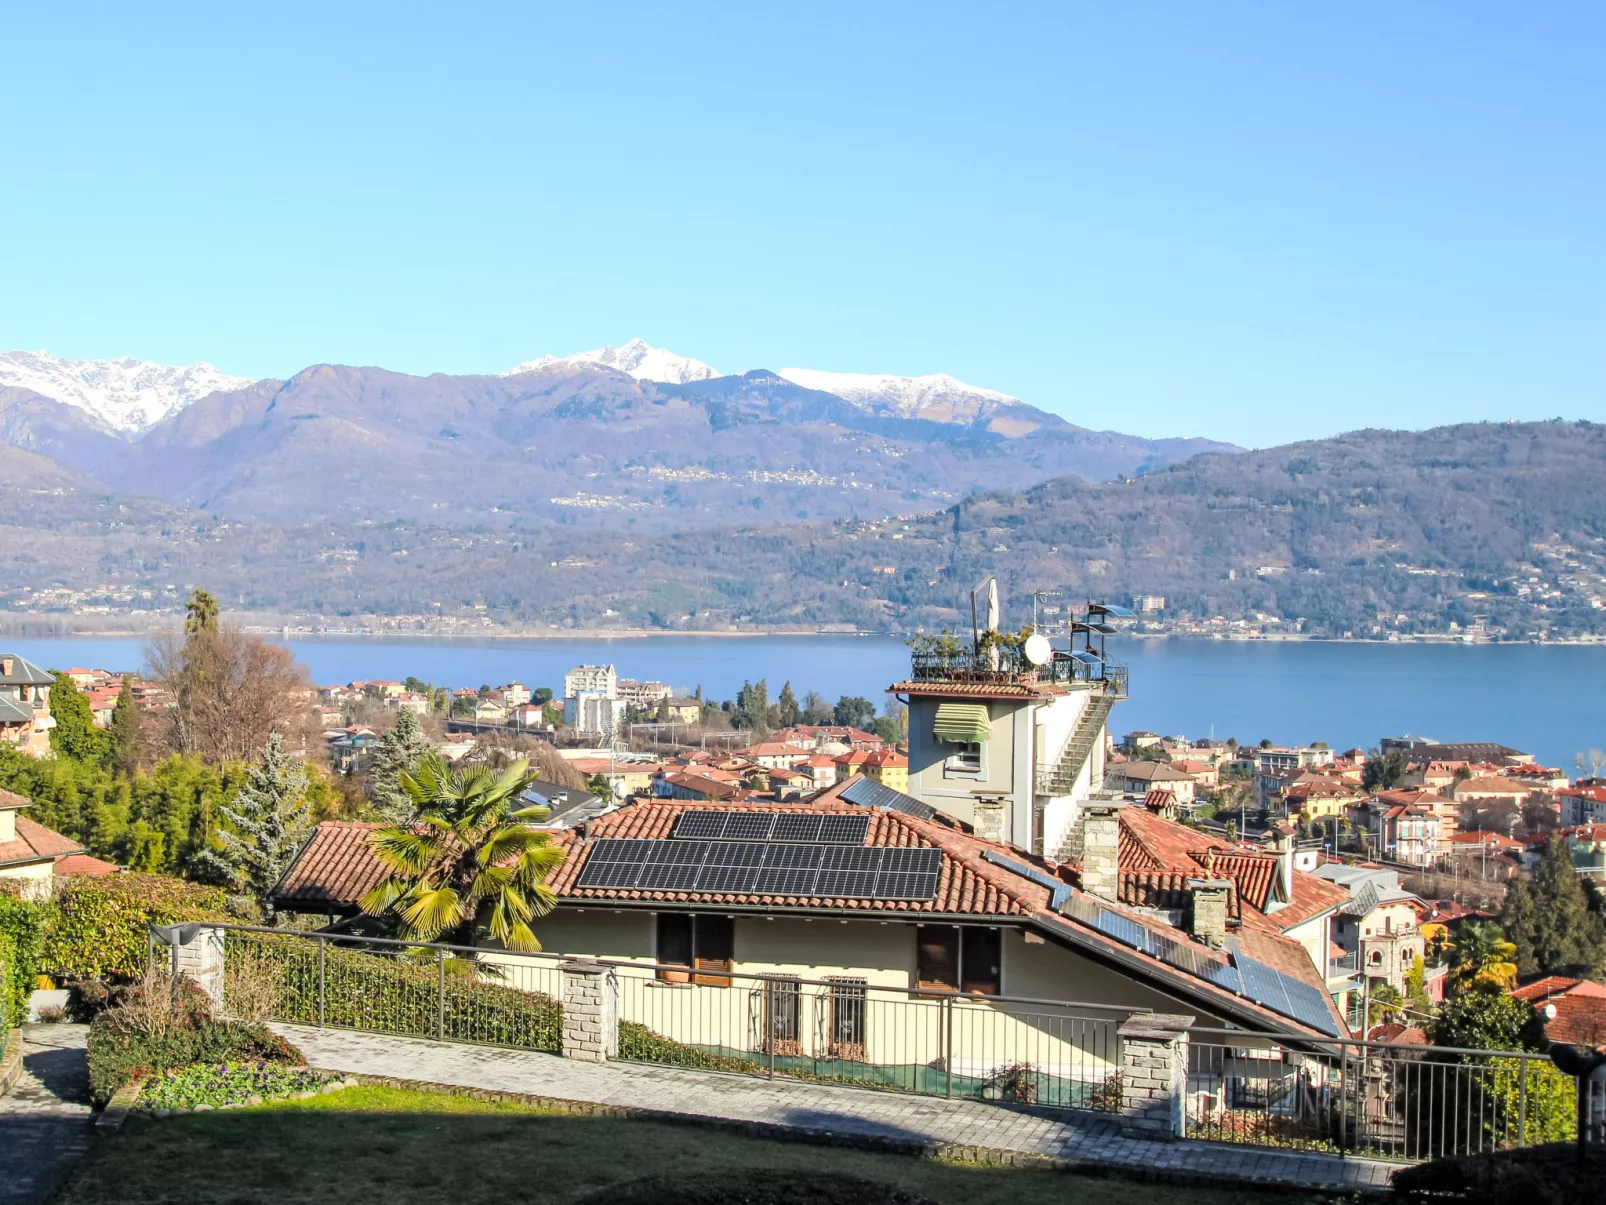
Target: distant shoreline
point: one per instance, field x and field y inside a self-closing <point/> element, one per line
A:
<point x="606" y="634"/>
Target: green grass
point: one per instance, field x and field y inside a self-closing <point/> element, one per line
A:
<point x="414" y="1148"/>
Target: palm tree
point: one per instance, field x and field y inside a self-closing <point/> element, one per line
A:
<point x="1480" y="953"/>
<point x="470" y="857"/>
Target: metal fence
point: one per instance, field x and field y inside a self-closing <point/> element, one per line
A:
<point x="844" y="1030"/>
<point x="1383" y="1100"/>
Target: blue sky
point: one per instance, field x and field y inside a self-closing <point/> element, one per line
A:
<point x="1259" y="222"/>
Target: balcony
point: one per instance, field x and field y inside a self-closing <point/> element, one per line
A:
<point x="1012" y="669"/>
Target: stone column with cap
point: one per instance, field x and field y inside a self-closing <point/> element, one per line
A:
<point x="590" y="1011"/>
<point x="1101" y="850"/>
<point x="1154" y="1074"/>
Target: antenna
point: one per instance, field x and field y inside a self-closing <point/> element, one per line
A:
<point x="1038" y="650"/>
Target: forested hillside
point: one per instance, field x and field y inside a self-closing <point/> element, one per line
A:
<point x="1392" y="531"/>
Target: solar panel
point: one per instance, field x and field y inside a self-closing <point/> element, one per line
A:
<point x="868" y="793"/>
<point x="747" y="826"/>
<point x="852" y="857"/>
<point x="609" y="874"/>
<point x="1058" y="891"/>
<point x="679" y="852"/>
<point x="896" y="886"/>
<point x="905" y="858"/>
<point x="789" y="857"/>
<point x="734" y="853"/>
<point x="785" y="880"/>
<point x="797" y="828"/>
<point x="850" y="884"/>
<point x="668" y="876"/>
<point x="1127" y="932"/>
<point x="615" y="849"/>
<point x="730" y="879"/>
<point x="841" y="830"/>
<point x="700" y="824"/>
<point x="1264" y="985"/>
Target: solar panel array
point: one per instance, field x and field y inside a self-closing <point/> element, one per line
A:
<point x="868" y="793"/>
<point x="1058" y="890"/>
<point x="748" y="867"/>
<point x="826" y="828"/>
<point x="1243" y="976"/>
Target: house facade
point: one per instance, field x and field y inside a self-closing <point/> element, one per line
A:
<point x="25" y="719"/>
<point x="29" y="852"/>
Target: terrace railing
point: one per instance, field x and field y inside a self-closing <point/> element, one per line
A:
<point x="847" y="1030"/>
<point x="1006" y="665"/>
<point x="1378" y="1099"/>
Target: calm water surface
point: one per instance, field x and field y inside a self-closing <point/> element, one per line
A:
<point x="1550" y="701"/>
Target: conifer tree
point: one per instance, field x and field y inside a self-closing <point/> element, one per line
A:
<point x="1568" y="938"/>
<point x="75" y="734"/>
<point x="398" y="752"/>
<point x="127" y="731"/>
<point x="267" y="823"/>
<point x="1520" y="920"/>
<point x="787" y="703"/>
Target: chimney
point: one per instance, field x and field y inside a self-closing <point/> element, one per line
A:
<point x="1210" y="910"/>
<point x="1282" y="844"/>
<point x="1101" y="844"/>
<point x="5" y="667"/>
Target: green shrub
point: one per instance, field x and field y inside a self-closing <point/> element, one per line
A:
<point x="164" y="1024"/>
<point x="100" y="927"/>
<point x="385" y="994"/>
<point x="8" y="988"/>
<point x="219" y="1084"/>
<point x="22" y="929"/>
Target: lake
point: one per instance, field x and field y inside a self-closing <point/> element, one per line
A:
<point x="1548" y="700"/>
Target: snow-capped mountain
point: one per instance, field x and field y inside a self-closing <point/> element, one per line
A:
<point x="937" y="396"/>
<point x="127" y="396"/>
<point x="638" y="358"/>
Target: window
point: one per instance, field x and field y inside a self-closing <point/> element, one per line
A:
<point x="783" y="999"/>
<point x="963" y="758"/>
<point x="980" y="960"/>
<point x="937" y="958"/>
<point x="848" y="1006"/>
<point x="953" y="959"/>
<point x="698" y="944"/>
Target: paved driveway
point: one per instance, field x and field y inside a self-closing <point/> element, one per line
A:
<point x="45" y="1121"/>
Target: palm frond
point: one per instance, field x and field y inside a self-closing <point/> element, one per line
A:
<point x="432" y="910"/>
<point x="384" y="897"/>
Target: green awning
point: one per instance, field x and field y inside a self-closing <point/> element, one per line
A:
<point x="962" y="723"/>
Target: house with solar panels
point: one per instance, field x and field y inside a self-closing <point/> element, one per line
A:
<point x="1010" y="736"/>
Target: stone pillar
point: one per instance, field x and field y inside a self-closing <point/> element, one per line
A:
<point x="590" y="1011"/>
<point x="194" y="951"/>
<point x="1154" y="1074"/>
<point x="1101" y="846"/>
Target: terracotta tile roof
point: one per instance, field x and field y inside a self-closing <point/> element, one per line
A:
<point x="1580" y="1020"/>
<point x="335" y="867"/>
<point x="35" y="843"/>
<point x="966" y="886"/>
<point x="9" y="799"/>
<point x="84" y="864"/>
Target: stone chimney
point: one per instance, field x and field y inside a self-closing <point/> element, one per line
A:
<point x="1101" y="845"/>
<point x="1210" y="910"/>
<point x="1282" y="844"/>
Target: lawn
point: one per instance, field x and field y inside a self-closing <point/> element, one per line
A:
<point x="413" y="1148"/>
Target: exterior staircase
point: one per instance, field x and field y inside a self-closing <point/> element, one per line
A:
<point x="1060" y="777"/>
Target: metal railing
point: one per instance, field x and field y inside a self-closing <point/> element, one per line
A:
<point x="1378" y="1099"/>
<point x="1055" y="1054"/>
<point x="1051" y="1053"/>
<point x="1006" y="665"/>
<point x="1058" y="777"/>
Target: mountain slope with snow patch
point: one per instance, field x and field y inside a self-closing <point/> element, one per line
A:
<point x="127" y="395"/>
<point x="637" y="358"/>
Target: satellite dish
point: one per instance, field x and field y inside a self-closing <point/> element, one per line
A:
<point x="1038" y="650"/>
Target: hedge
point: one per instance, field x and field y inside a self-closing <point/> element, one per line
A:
<point x="22" y="938"/>
<point x="99" y="926"/>
<point x="380" y="993"/>
<point x="9" y="1012"/>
